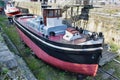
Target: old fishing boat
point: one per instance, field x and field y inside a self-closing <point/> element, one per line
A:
<point x="69" y="48"/>
<point x="10" y="10"/>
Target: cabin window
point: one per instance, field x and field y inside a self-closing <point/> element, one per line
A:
<point x="50" y="13"/>
<point x="57" y="13"/>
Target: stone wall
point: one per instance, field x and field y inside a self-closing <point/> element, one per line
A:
<point x="33" y="7"/>
<point x="109" y="26"/>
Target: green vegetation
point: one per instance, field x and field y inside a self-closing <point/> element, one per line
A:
<point x="3" y="72"/>
<point x="113" y="65"/>
<point x="114" y="47"/>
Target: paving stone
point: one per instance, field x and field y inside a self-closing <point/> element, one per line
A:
<point x="107" y="56"/>
<point x="8" y="59"/>
<point x="24" y="69"/>
<point x="106" y="76"/>
<point x="6" y="56"/>
<point x="3" y="47"/>
<point x="12" y="64"/>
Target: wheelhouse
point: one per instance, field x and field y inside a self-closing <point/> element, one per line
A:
<point x="51" y="13"/>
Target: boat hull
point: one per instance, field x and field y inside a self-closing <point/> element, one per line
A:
<point x="86" y="69"/>
<point x="73" y="58"/>
<point x="12" y="14"/>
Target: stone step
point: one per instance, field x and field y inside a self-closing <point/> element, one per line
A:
<point x="107" y="76"/>
<point x="107" y="56"/>
<point x="3" y="47"/>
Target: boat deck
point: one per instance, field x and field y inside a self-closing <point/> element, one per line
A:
<point x="61" y="40"/>
<point x="57" y="38"/>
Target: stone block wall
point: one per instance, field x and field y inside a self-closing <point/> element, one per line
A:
<point x="33" y="7"/>
<point x="109" y="27"/>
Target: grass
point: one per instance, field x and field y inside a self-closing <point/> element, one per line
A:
<point x="41" y="70"/>
<point x="114" y="65"/>
<point x="114" y="47"/>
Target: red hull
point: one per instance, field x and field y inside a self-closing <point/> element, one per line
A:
<point x="12" y="14"/>
<point x="1" y="9"/>
<point x="87" y="69"/>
